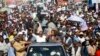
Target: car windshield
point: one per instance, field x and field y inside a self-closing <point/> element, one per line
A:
<point x="45" y="51"/>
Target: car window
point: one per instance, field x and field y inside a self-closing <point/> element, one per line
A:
<point x="46" y="51"/>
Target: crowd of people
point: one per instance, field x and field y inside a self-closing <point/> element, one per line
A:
<point x="78" y="29"/>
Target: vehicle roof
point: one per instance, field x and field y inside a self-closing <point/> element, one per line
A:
<point x="46" y="44"/>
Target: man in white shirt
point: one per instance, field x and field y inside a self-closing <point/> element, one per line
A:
<point x="3" y="45"/>
<point x="34" y="15"/>
<point x="40" y="37"/>
<point x="81" y="37"/>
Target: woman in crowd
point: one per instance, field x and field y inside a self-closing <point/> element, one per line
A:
<point x="91" y="48"/>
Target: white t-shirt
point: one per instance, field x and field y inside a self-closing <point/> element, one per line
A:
<point x="59" y="9"/>
<point x="40" y="39"/>
<point x="81" y="39"/>
<point x="81" y="15"/>
<point x="34" y="15"/>
<point x="4" y="47"/>
<point x="62" y="18"/>
<point x="5" y="36"/>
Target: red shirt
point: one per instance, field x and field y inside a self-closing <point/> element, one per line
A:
<point x="97" y="53"/>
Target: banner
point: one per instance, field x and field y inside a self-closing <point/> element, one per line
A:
<point x="95" y="1"/>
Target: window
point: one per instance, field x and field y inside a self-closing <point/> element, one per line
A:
<point x="46" y="51"/>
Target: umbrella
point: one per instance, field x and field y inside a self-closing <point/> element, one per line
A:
<point x="75" y="18"/>
<point x="82" y="24"/>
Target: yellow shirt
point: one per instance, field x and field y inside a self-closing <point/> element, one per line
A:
<point x="18" y="46"/>
<point x="11" y="38"/>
